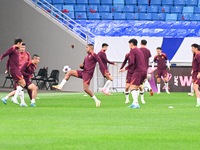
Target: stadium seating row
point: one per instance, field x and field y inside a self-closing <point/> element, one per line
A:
<point x="125" y="2"/>
<point x="134" y="16"/>
<point x="128" y="9"/>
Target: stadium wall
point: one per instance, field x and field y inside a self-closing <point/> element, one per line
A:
<point x="43" y="37"/>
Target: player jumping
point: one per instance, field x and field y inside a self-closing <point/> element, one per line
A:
<point x="14" y="69"/>
<point x="160" y="58"/>
<point x="27" y="70"/>
<point x="88" y="67"/>
<point x="140" y="73"/>
<point x="102" y="56"/>
<point x="23" y="58"/>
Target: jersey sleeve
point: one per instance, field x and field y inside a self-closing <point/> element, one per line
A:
<point x="165" y="57"/>
<point x="23" y="70"/>
<point x="155" y="59"/>
<point x="8" y="64"/>
<point x="124" y="62"/>
<point x="29" y="56"/>
<point x="132" y="60"/>
<point x="108" y="60"/>
<point x="198" y="60"/>
<point x="101" y="66"/>
<point x="8" y="52"/>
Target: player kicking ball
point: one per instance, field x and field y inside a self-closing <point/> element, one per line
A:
<point x="14" y="69"/>
<point x="137" y="63"/>
<point x="102" y="56"/>
<point x="196" y="71"/>
<point x="27" y="70"/>
<point x="160" y="58"/>
<point x="88" y="67"/>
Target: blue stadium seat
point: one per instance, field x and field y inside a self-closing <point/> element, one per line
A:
<point x="57" y="15"/>
<point x="81" y="16"/>
<point x="119" y="16"/>
<point x="49" y="1"/>
<point x="68" y="8"/>
<point x="82" y="2"/>
<point x="197" y="10"/>
<point x="94" y="2"/>
<point x="159" y="17"/>
<point x="59" y="7"/>
<point x="115" y="9"/>
<point x="176" y="10"/>
<point x="80" y="8"/>
<point x="188" y="10"/>
<point x="171" y="17"/>
<point x="156" y="2"/>
<point x="143" y="2"/>
<point x="140" y="9"/>
<point x="128" y="9"/>
<point x="195" y="17"/>
<point x="58" y="1"/>
<point x="191" y="3"/>
<point x="104" y="8"/>
<point x="106" y="16"/>
<point x="70" y="2"/>
<point x="70" y="14"/>
<point x="179" y="3"/>
<point x="118" y="2"/>
<point x="131" y="2"/>
<point x="152" y="9"/>
<point x="164" y="9"/>
<point x="132" y="16"/>
<point x="184" y="17"/>
<point x="144" y="16"/>
<point x="92" y="8"/>
<point x="106" y="2"/>
<point x="167" y="2"/>
<point x="93" y="16"/>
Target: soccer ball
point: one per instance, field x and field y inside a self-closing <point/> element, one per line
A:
<point x="66" y="69"/>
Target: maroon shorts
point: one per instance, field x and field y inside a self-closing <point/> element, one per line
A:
<point x="138" y="78"/>
<point x="28" y="82"/>
<point x="85" y="76"/>
<point x="161" y="73"/>
<point x="196" y="81"/>
<point x="128" y="77"/>
<point x="16" y="75"/>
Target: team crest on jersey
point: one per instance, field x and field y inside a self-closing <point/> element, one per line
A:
<point x="157" y="58"/>
<point x="25" y="55"/>
<point x="89" y="56"/>
<point x="162" y="57"/>
<point x="22" y="76"/>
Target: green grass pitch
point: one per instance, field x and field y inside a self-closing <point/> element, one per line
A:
<point x="71" y="121"/>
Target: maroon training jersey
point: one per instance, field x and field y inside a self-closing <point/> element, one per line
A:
<point x="147" y="55"/>
<point x="13" y="56"/>
<point x="28" y="69"/>
<point x="90" y="62"/>
<point x="127" y="58"/>
<point x="196" y="63"/>
<point x="137" y="61"/>
<point x="160" y="59"/>
<point x="103" y="57"/>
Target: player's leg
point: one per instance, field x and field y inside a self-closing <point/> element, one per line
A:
<point x="106" y="87"/>
<point x="158" y="85"/>
<point x="148" y="84"/>
<point x="74" y="73"/>
<point x="126" y="92"/>
<point x="87" y="90"/>
<point x="4" y="100"/>
<point x="142" y="94"/>
<point x="32" y="87"/>
<point x="135" y="94"/>
<point x="191" y="88"/>
<point x="30" y="94"/>
<point x="164" y="74"/>
<point x="21" y="84"/>
<point x="196" y="90"/>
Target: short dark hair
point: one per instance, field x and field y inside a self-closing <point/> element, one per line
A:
<point x="195" y="45"/>
<point x="143" y="42"/>
<point x="104" y="44"/>
<point x="159" y="48"/>
<point x="91" y="45"/>
<point x="35" y="56"/>
<point x="18" y="40"/>
<point x="24" y="44"/>
<point x="134" y="41"/>
<point x="199" y="48"/>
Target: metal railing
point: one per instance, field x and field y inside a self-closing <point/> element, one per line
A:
<point x="66" y="21"/>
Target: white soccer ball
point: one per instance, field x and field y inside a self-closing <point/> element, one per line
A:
<point x="66" y="69"/>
